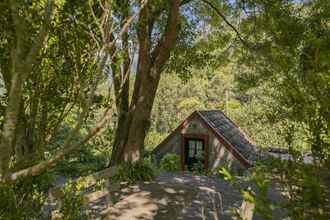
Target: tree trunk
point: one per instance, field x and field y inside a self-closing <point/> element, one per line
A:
<point x="10" y="122"/>
<point x="41" y="142"/>
<point x="140" y="122"/>
<point x="132" y="129"/>
<point x="121" y="131"/>
<point x="121" y="87"/>
<point x="20" y="142"/>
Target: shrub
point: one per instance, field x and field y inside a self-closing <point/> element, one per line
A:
<point x="134" y="172"/>
<point x="305" y="187"/>
<point x="72" y="201"/>
<point x="25" y="198"/>
<point x="170" y="162"/>
<point x="198" y="168"/>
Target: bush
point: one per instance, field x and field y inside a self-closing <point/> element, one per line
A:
<point x="134" y="172"/>
<point x="72" y="201"/>
<point x="25" y="198"/>
<point x="305" y="186"/>
<point x="170" y="163"/>
<point x="198" y="168"/>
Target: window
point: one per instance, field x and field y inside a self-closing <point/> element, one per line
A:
<point x="194" y="151"/>
<point x="191" y="148"/>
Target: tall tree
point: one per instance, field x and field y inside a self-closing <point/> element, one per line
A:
<point x="47" y="80"/>
<point x="23" y="58"/>
<point x="134" y="116"/>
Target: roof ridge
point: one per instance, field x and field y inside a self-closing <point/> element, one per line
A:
<point x="216" y="110"/>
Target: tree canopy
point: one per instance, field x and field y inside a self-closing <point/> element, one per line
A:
<point x="104" y="81"/>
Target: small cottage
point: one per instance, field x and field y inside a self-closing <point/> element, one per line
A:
<point x="209" y="138"/>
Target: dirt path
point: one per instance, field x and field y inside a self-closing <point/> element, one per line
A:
<point x="174" y="196"/>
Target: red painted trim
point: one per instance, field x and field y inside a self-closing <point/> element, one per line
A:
<point x="225" y="142"/>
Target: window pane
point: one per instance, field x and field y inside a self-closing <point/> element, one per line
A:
<point x="199" y="145"/>
<point x="191" y="148"/>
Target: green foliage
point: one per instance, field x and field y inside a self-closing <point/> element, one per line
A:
<point x="225" y="174"/>
<point x="205" y="90"/>
<point x="291" y="63"/>
<point x="87" y="160"/>
<point x="303" y="189"/>
<point x="153" y="139"/>
<point x="141" y="170"/>
<point x="25" y="198"/>
<point x="203" y="40"/>
<point x="258" y="196"/>
<point x="91" y="157"/>
<point x="72" y="201"/>
<point x="198" y="168"/>
<point x="170" y="163"/>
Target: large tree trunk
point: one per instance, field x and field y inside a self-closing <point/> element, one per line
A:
<point x="132" y="129"/>
<point x="140" y="122"/>
<point x="121" y="82"/>
<point x="122" y="104"/>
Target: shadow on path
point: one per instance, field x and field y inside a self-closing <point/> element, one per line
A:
<point x="174" y="196"/>
<point x="151" y="200"/>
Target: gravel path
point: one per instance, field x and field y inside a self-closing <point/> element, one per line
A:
<point x="214" y="200"/>
<point x="174" y="196"/>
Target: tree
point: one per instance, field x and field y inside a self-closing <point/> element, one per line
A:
<point x="157" y="31"/>
<point x="47" y="80"/>
<point x="291" y="60"/>
<point x="152" y="55"/>
<point x="291" y="57"/>
<point x="23" y="59"/>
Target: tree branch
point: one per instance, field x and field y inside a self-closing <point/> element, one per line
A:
<point x="43" y="32"/>
<point x="144" y="51"/>
<point x="244" y="42"/>
<point x="42" y="166"/>
<point x="162" y="50"/>
<point x="125" y="26"/>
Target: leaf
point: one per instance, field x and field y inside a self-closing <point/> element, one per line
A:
<point x="226" y="175"/>
<point x="248" y="196"/>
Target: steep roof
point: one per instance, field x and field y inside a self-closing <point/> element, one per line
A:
<point x="225" y="127"/>
<point x="233" y="137"/>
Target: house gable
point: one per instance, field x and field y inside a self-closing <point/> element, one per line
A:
<point x="200" y="123"/>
